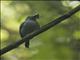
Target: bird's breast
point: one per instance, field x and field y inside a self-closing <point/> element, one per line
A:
<point x="29" y="27"/>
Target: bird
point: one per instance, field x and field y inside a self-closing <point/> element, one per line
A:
<point x="28" y="26"/>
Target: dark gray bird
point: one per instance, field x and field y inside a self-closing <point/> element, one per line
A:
<point x="28" y="26"/>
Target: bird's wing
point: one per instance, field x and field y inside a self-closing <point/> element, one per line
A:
<point x="20" y="29"/>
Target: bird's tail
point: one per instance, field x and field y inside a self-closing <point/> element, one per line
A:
<point x="27" y="44"/>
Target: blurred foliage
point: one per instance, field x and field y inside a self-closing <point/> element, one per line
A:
<point x="53" y="44"/>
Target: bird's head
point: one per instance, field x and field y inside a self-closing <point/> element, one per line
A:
<point x="34" y="17"/>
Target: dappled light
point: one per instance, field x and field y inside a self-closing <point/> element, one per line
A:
<point x="53" y="44"/>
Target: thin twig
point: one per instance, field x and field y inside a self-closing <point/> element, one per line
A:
<point x="42" y="29"/>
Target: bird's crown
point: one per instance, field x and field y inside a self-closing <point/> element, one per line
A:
<point x="34" y="17"/>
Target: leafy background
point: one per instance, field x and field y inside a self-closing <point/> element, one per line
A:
<point x="57" y="43"/>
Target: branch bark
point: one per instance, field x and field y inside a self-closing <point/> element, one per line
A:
<point x="42" y="29"/>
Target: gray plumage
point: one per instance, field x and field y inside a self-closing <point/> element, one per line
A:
<point x="28" y="26"/>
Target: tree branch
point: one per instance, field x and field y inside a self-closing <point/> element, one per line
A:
<point x="42" y="29"/>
